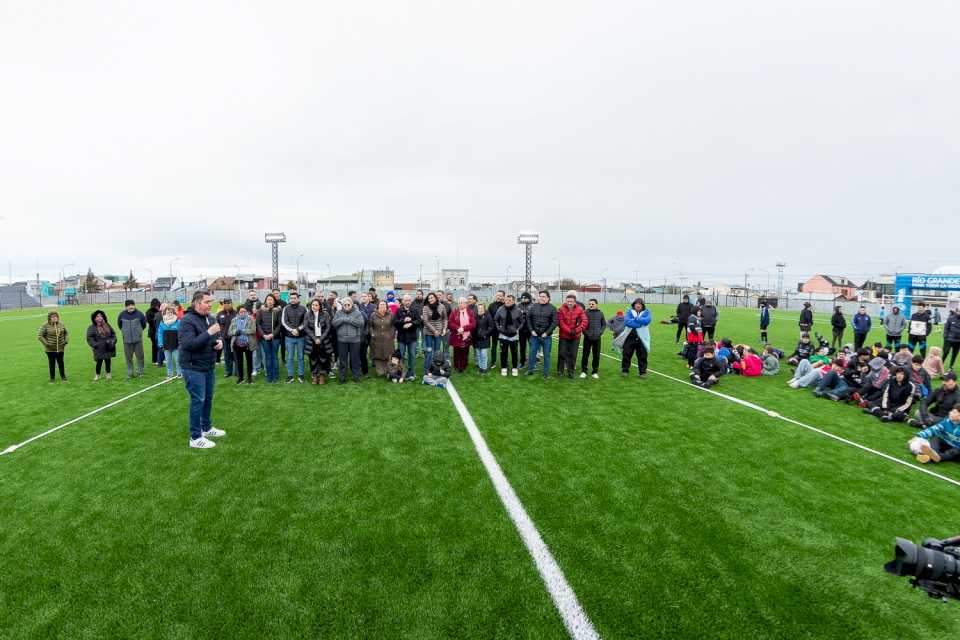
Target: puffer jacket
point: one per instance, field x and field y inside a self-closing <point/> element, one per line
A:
<point x="408" y="336"/>
<point x="951" y="328"/>
<point x="104" y="346"/>
<point x="349" y="326"/>
<point x="292" y="319"/>
<point x="196" y="345"/>
<point x="894" y="324"/>
<point x="542" y="319"/>
<point x="616" y="324"/>
<point x="709" y="315"/>
<point x="268" y="321"/>
<point x="131" y="325"/>
<point x="53" y="337"/>
<point x="481" y="335"/>
<point x="837" y="321"/>
<point x="771" y="365"/>
<point x="573" y="322"/>
<point x="596" y="324"/>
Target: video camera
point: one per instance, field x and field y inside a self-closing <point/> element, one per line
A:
<point x="934" y="565"/>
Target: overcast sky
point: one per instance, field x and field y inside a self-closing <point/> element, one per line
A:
<point x="706" y="138"/>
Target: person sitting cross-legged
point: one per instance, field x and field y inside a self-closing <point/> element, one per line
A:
<point x="706" y="370"/>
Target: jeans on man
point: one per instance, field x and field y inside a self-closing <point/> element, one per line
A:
<point x="227" y="359"/>
<point x="431" y="345"/>
<point x="834" y="383"/>
<point x="199" y="386"/>
<point x="482" y="358"/>
<point x="408" y="356"/>
<point x="537" y="343"/>
<point x="294" y="355"/>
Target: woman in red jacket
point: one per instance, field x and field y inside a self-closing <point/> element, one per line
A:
<point x="461" y="323"/>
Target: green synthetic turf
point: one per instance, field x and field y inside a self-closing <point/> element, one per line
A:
<point x="363" y="510"/>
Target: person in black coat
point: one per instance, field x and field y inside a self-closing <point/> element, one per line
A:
<point x="153" y="321"/>
<point x="103" y="340"/>
<point x="806" y="318"/>
<point x="199" y="341"/>
<point x="317" y="345"/>
<point x="684" y="311"/>
<point x="839" y="324"/>
<point x="481" y="337"/>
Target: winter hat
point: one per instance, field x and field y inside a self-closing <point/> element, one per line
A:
<point x="950" y="375"/>
<point x="396" y="354"/>
<point x="526" y="296"/>
<point x="620" y="314"/>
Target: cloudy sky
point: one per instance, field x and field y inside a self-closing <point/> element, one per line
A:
<point x="702" y="138"/>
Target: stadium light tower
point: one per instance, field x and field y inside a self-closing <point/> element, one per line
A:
<point x="274" y="239"/>
<point x="528" y="239"/>
<point x="780" y="266"/>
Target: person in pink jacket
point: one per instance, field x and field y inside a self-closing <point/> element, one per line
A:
<point x="751" y="366"/>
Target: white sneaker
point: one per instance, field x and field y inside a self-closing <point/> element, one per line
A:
<point x="214" y="433"/>
<point x="583" y="374"/>
<point x="794" y="384"/>
<point x="503" y="372"/>
<point x="202" y="443"/>
<point x="595" y="376"/>
<point x="514" y="373"/>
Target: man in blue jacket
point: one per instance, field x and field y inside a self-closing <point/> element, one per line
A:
<point x="198" y="356"/>
<point x="861" y="327"/>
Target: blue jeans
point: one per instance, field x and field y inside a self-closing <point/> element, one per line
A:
<point x="446" y="346"/>
<point x="227" y="358"/>
<point x="482" y="355"/>
<point x="199" y="386"/>
<point x="294" y="355"/>
<point x="172" y="358"/>
<point x="408" y="355"/>
<point x="835" y="384"/>
<point x="536" y="343"/>
<point x="270" y="364"/>
<point x="431" y="345"/>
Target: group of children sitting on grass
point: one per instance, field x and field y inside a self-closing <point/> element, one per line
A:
<point x="887" y="384"/>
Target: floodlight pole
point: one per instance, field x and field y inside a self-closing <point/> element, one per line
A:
<point x="274" y="239"/>
<point x="528" y="239"/>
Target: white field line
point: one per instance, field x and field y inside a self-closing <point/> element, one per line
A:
<point x="22" y="317"/>
<point x="774" y="414"/>
<point x="574" y="617"/>
<point x="14" y="447"/>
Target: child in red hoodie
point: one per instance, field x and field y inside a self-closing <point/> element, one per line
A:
<point x="750" y="366"/>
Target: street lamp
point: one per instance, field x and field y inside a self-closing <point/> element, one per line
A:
<point x="528" y="239"/>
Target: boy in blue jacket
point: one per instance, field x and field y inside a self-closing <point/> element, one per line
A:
<point x="940" y="442"/>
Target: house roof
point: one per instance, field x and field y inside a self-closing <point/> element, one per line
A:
<point x="838" y="281"/>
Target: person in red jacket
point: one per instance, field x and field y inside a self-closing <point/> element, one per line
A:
<point x="461" y="323"/>
<point x="572" y="320"/>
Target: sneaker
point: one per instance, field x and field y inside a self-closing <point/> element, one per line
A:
<point x="202" y="443"/>
<point x="930" y="453"/>
<point x="514" y="373"/>
<point x="96" y="378"/>
<point x="794" y="384"/>
<point x="109" y="376"/>
<point x="595" y="376"/>
<point x="213" y="432"/>
<point x="583" y="374"/>
<point x="923" y="458"/>
<point x="570" y="374"/>
<point x="503" y="372"/>
<point x="300" y="379"/>
<point x="833" y="396"/>
<point x="886" y="418"/>
<point x="289" y="379"/>
<point x="624" y="374"/>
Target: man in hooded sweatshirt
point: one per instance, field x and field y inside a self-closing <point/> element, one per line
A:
<point x="708" y="318"/>
<point x="131" y="323"/>
<point x="894" y="324"/>
<point x="684" y="311"/>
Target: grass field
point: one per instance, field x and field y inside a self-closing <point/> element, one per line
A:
<point x="365" y="511"/>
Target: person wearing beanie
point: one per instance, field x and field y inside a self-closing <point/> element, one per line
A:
<point x="438" y="373"/>
<point x="526" y="300"/>
<point x="684" y="311"/>
<point x="395" y="368"/>
<point x="806" y="318"/>
<point x="936" y="405"/>
<point x="103" y="340"/>
<point x="131" y="323"/>
<point x="616" y="324"/>
<point x="706" y="370"/>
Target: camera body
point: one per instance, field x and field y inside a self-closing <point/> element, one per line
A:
<point x="933" y="565"/>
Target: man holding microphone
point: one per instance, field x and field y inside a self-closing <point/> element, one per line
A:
<point x="199" y="344"/>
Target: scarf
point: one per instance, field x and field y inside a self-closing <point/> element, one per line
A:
<point x="464" y="317"/>
<point x="508" y="321"/>
<point x="434" y="311"/>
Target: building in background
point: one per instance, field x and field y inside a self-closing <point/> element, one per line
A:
<point x="383" y="278"/>
<point x="838" y="286"/>
<point x="454" y="279"/>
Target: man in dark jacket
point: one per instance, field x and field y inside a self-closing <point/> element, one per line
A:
<point x="708" y="318"/>
<point x="920" y="326"/>
<point x="706" y="370"/>
<point x="291" y="319"/>
<point x="951" y="337"/>
<point x="131" y="323"/>
<point x="806" y="318"/>
<point x="251" y="301"/>
<point x="367" y="309"/>
<point x="492" y="312"/>
<point x="684" y="311"/>
<point x="524" y="305"/>
<point x="224" y="318"/>
<point x="542" y="320"/>
<point x="199" y="341"/>
<point x="408" y="325"/>
<point x="838" y="323"/>
<point x="861" y="327"/>
<point x="153" y="321"/>
<point x="936" y="406"/>
<point x="596" y="325"/>
<point x="417" y="308"/>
